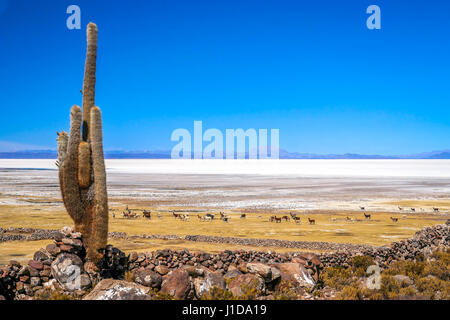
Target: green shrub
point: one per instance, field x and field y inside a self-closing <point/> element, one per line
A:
<point x="216" y="293"/>
<point x="361" y="263"/>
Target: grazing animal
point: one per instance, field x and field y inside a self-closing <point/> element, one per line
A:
<point x="147" y="214"/>
<point x="436" y="209"/>
<point x="210" y="215"/>
<point x="113" y="215"/>
<point x="311" y="221"/>
<point x="413" y="209"/>
<point x="243" y="216"/>
<point x="333" y="219"/>
<point x="293" y="215"/>
<point x="400" y="208"/>
<point x="184" y="217"/>
<point x="362" y="208"/>
<point x="226" y="219"/>
<point x="367" y="216"/>
<point x="348" y="219"/>
<point x="277" y="220"/>
<point x="129" y="214"/>
<point x="286" y="218"/>
<point x="296" y="220"/>
<point x="175" y="215"/>
<point x="394" y="219"/>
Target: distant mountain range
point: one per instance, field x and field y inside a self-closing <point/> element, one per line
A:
<point x="51" y="154"/>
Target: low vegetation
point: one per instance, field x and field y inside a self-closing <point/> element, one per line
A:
<point x="419" y="279"/>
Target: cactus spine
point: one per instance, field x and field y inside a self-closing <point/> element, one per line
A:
<point x="82" y="175"/>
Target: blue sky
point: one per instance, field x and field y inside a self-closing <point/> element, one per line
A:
<point x="309" y="68"/>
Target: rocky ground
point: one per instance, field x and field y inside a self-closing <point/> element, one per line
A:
<point x="60" y="270"/>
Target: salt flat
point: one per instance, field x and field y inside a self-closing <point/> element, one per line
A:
<point x="379" y="185"/>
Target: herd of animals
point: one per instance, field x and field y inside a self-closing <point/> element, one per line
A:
<point x="129" y="214"/>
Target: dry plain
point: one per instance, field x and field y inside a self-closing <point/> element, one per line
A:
<point x="29" y="197"/>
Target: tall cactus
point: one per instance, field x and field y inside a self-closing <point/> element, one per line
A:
<point x="82" y="175"/>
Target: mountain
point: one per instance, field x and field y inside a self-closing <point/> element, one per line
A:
<point x="165" y="154"/>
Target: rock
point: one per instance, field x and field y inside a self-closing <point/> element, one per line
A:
<point x="162" y="270"/>
<point x="66" y="248"/>
<point x="42" y="255"/>
<point x="242" y="283"/>
<point x="76" y="243"/>
<point x="403" y="279"/>
<point x="52" y="284"/>
<point x="110" y="289"/>
<point x="35" y="281"/>
<point x="53" y="249"/>
<point x="14" y="263"/>
<point x="242" y="267"/>
<point x="261" y="269"/>
<point x="76" y="235"/>
<point x="268" y="273"/>
<point x="296" y="274"/>
<point x="67" y="230"/>
<point x="38" y="265"/>
<point x="193" y="271"/>
<point x="147" y="278"/>
<point x="133" y="257"/>
<point x="46" y="271"/>
<point x="212" y="279"/>
<point x="67" y="269"/>
<point x="33" y="272"/>
<point x="231" y="274"/>
<point x="24" y="271"/>
<point x="176" y="283"/>
<point x="85" y="281"/>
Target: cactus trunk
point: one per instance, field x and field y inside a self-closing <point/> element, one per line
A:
<point x="82" y="174"/>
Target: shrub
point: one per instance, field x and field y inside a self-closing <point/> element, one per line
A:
<point x="361" y="263"/>
<point x="216" y="293"/>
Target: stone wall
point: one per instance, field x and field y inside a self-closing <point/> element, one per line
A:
<point x="161" y="269"/>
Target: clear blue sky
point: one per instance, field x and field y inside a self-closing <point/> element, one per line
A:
<point x="310" y="68"/>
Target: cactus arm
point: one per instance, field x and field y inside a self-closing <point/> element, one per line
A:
<point x="100" y="219"/>
<point x="89" y="78"/>
<point x="69" y="185"/>
<point x="84" y="165"/>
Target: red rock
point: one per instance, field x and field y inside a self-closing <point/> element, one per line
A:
<point x="177" y="284"/>
<point x="38" y="265"/>
<point x="251" y="281"/>
<point x="162" y="270"/>
<point x="66" y="248"/>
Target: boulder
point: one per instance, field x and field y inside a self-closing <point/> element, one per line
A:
<point x="148" y="278"/>
<point x="162" y="270"/>
<point x="110" y="289"/>
<point x="246" y="282"/>
<point x="67" y="270"/>
<point x="212" y="279"/>
<point x="231" y="274"/>
<point x="268" y="273"/>
<point x="42" y="255"/>
<point x="194" y="271"/>
<point x="296" y="274"/>
<point x="176" y="283"/>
